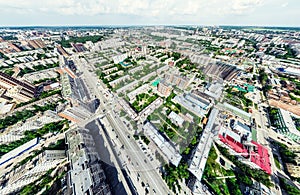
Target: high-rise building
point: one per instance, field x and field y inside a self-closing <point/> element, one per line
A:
<point x="86" y="174"/>
<point x="18" y="90"/>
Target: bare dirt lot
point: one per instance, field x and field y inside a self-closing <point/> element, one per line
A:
<point x="292" y="108"/>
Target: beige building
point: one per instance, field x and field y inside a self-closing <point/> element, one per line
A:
<point x="294" y="170"/>
<point x="20" y="91"/>
<point x="177" y="80"/>
<point x="164" y="89"/>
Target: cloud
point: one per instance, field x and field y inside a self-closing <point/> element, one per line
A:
<point x="285" y="4"/>
<point x="144" y="11"/>
<point x="135" y="7"/>
<point x="240" y="7"/>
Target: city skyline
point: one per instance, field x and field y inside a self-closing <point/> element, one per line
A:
<point x="130" y="12"/>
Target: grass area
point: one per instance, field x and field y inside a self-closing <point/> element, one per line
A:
<point x="122" y="113"/>
<point x="172" y="175"/>
<point x="44" y="181"/>
<point x="143" y="100"/>
<point x="182" y="135"/>
<point x="67" y="43"/>
<point x="145" y="139"/>
<point x="36" y="68"/>
<point x="238" y="99"/>
<point x="277" y="163"/>
<point x="257" y="174"/>
<point x="286" y="186"/>
<point x="254" y="134"/>
<point x="286" y="155"/>
<point x="213" y="170"/>
<point x="293" y="97"/>
<point x="9" y="71"/>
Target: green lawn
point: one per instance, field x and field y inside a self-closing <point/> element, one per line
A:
<point x="254" y="134"/>
<point x="213" y="170"/>
<point x="277" y="163"/>
<point x="143" y="100"/>
<point x="181" y="135"/>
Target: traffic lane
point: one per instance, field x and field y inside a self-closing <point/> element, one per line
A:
<point x="143" y="171"/>
<point x="148" y="174"/>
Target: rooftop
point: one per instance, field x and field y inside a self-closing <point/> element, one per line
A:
<point x="164" y="145"/>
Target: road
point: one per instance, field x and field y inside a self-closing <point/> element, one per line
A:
<point x="263" y="133"/>
<point x="147" y="174"/>
<point x="138" y="163"/>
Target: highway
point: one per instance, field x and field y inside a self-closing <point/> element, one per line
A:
<point x="147" y="174"/>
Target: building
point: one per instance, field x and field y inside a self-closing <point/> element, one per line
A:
<point x="78" y="111"/>
<point x="199" y="158"/>
<point x="86" y="173"/>
<point x="36" y="43"/>
<point x="74" y="88"/>
<point x="150" y="108"/>
<point x="62" y="51"/>
<point x="51" y="155"/>
<point x="193" y="103"/>
<point x="239" y="140"/>
<point x="136" y="69"/>
<point x="119" y="58"/>
<point x="166" y="147"/>
<point x="6" y="108"/>
<point x="20" y="91"/>
<point x="291" y="71"/>
<point x="119" y="80"/>
<point x="287" y="126"/>
<point x="176" y="119"/>
<point x="110" y="43"/>
<point x="293" y="170"/>
<point x="221" y="70"/>
<point x="177" y="80"/>
<point x="237" y="111"/>
<point x="214" y="90"/>
<point x="132" y="114"/>
<point x="19" y="151"/>
<point x="164" y="89"/>
<point x="79" y="47"/>
<point x="142" y="89"/>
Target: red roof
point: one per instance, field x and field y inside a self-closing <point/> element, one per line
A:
<point x="260" y="158"/>
<point x="236" y="146"/>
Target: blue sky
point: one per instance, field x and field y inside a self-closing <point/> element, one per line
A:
<point x="150" y="12"/>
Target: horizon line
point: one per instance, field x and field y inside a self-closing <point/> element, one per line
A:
<point x="144" y="25"/>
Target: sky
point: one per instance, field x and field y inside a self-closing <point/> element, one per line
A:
<point x="149" y="12"/>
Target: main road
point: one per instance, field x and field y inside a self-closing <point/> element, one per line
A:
<point x="140" y="168"/>
<point x="263" y="134"/>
